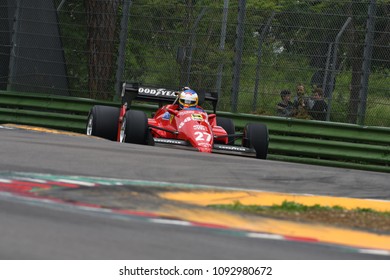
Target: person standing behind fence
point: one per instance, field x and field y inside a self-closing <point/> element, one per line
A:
<point x="320" y="108"/>
<point x="300" y="103"/>
<point x="285" y="107"/>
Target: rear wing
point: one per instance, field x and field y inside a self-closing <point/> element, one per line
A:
<point x="136" y="91"/>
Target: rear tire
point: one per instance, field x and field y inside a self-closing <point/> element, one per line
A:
<point x="135" y="128"/>
<point x="256" y="136"/>
<point x="228" y="126"/>
<point x="103" y="122"/>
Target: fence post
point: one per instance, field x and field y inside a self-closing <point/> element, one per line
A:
<point x="259" y="54"/>
<point x="334" y="61"/>
<point x="368" y="43"/>
<point x="192" y="42"/>
<point x="122" y="48"/>
<point x="222" y="45"/>
<point x="326" y="73"/>
<point x="14" y="45"/>
<point x="60" y="5"/>
<point x="238" y="54"/>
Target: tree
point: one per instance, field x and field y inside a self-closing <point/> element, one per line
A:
<point x="101" y="26"/>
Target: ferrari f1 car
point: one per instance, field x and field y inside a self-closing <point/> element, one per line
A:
<point x="194" y="128"/>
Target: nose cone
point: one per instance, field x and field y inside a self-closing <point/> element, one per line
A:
<point x="205" y="149"/>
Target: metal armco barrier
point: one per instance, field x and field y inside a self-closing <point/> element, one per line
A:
<point x="293" y="140"/>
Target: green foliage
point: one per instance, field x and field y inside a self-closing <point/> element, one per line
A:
<point x="298" y="207"/>
<point x="289" y="206"/>
<point x="292" y="51"/>
<point x="264" y="5"/>
<point x="73" y="31"/>
<point x="237" y="206"/>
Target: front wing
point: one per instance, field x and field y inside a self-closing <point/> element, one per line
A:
<point x="217" y="148"/>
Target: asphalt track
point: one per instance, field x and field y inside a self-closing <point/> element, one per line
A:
<point x="32" y="229"/>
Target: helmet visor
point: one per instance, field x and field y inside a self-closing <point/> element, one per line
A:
<point x="187" y="101"/>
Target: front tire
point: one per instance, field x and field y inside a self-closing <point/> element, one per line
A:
<point x="135" y="128"/>
<point x="103" y="122"/>
<point x="256" y="136"/>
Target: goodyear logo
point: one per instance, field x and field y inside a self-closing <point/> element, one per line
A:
<point x="156" y="92"/>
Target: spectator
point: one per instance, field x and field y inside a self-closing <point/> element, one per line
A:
<point x="300" y="103"/>
<point x="317" y="80"/>
<point x="285" y="107"/>
<point x="320" y="108"/>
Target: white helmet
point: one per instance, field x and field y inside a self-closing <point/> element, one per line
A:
<point x="188" y="98"/>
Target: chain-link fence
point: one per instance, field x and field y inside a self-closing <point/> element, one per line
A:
<point x="248" y="51"/>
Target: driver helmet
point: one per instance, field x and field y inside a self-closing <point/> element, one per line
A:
<point x="188" y="98"/>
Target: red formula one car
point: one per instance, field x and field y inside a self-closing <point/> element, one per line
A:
<point x="175" y="123"/>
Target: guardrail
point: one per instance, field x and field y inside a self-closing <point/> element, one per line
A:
<point x="293" y="140"/>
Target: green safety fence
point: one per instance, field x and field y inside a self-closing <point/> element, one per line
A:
<point x="293" y="140"/>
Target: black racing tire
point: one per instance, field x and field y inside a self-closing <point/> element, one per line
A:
<point x="103" y="122"/>
<point x="228" y="125"/>
<point x="135" y="128"/>
<point x="256" y="136"/>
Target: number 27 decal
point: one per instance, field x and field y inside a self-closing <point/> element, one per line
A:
<point x="200" y="136"/>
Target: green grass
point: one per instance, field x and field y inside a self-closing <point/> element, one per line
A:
<point x="289" y="206"/>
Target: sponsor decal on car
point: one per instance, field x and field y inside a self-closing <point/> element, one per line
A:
<point x="170" y="141"/>
<point x="205" y="145"/>
<point x="199" y="127"/>
<point x="231" y="148"/>
<point x="156" y="92"/>
<point x="197" y="117"/>
<point x="186" y="120"/>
